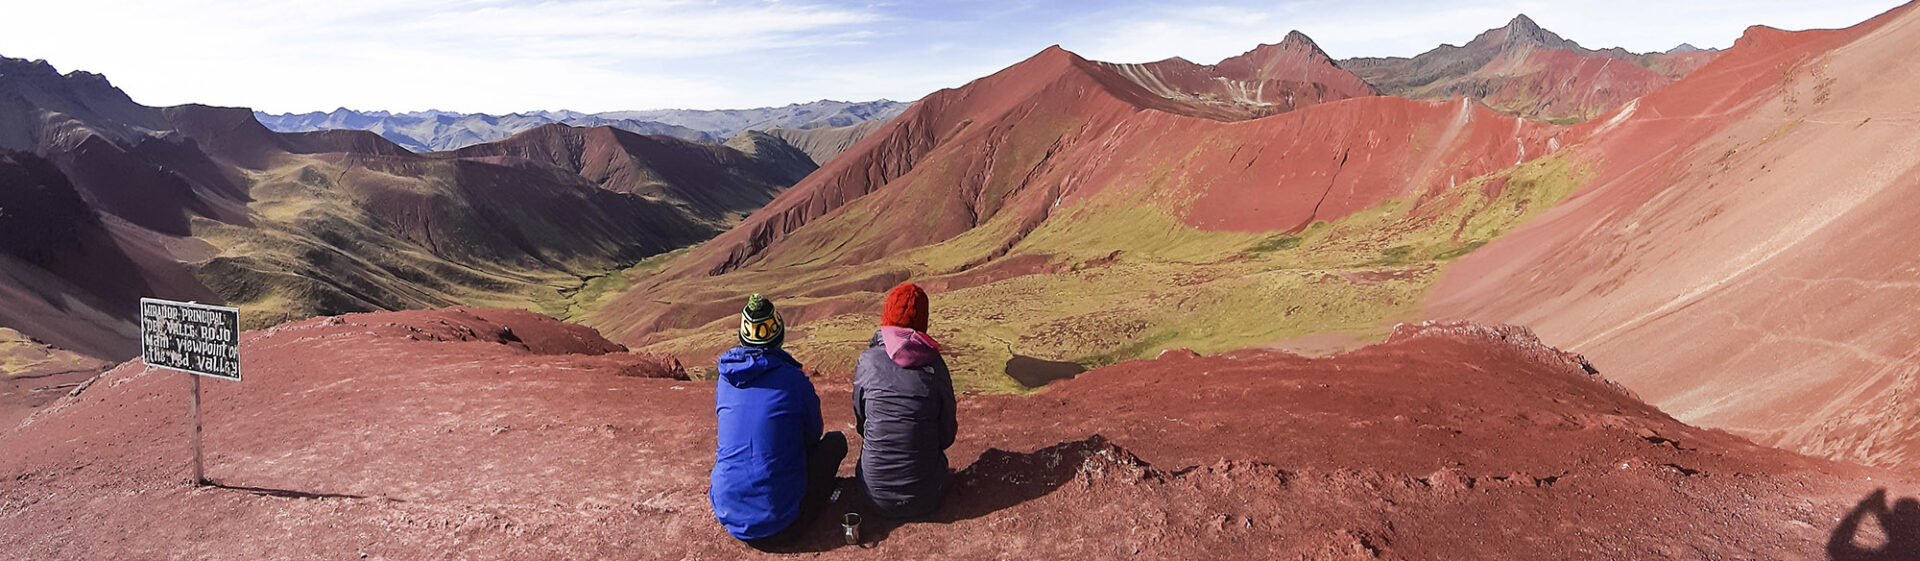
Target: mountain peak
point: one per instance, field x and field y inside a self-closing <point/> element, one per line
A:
<point x="1266" y="55"/>
<point x="84" y="77"/>
<point x="1523" y="33"/>
<point x="36" y="67"/>
<point x="1054" y="54"/>
<point x="1524" y="24"/>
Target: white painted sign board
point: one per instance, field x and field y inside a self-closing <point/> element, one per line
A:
<point x="194" y="338"/>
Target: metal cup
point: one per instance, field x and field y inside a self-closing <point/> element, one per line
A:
<point x="850" y="527"/>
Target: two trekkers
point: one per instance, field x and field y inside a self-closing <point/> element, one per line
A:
<point x="774" y="469"/>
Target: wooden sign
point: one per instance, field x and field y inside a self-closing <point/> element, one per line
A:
<point x="198" y="339"/>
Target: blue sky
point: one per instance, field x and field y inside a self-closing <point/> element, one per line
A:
<point x="599" y="55"/>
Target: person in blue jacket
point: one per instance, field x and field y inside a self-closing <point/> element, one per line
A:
<point x="773" y="470"/>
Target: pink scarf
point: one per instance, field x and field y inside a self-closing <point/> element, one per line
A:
<point x="909" y="348"/>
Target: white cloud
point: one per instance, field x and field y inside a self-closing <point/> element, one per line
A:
<point x="475" y="56"/>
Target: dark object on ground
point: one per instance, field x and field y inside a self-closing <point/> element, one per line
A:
<point x="1036" y="372"/>
<point x="1901" y="524"/>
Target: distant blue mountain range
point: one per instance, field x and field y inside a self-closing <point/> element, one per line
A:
<point x="434" y="131"/>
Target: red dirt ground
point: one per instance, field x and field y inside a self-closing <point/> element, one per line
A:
<point x="1759" y="207"/>
<point x="431" y="435"/>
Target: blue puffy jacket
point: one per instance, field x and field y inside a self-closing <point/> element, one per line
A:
<point x="769" y="415"/>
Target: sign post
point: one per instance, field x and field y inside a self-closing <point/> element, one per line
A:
<point x="199" y="472"/>
<point x="194" y="338"/>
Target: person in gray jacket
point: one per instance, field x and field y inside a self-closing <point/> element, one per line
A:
<point x="903" y="407"/>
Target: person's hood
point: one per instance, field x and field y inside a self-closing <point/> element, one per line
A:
<point x="741" y="365"/>
<point x="907" y="348"/>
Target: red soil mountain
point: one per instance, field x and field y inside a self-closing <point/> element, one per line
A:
<point x="203" y="203"/>
<point x="1267" y="80"/>
<point x="1072" y="129"/>
<point x="1525" y="70"/>
<point x="997" y="159"/>
<point x="1734" y="254"/>
<point x="502" y="435"/>
<point x="1760" y="207"/>
<point x="1752" y="206"/>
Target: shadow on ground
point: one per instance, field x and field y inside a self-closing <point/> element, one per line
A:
<point x="1895" y="534"/>
<point x="281" y="493"/>
<point x="999" y="480"/>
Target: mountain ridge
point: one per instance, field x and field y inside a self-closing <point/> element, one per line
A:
<point x="1122" y="261"/>
<point x="437" y="131"/>
<point x="1524" y="69"/>
<point x="1059" y="164"/>
<point x="1062" y="176"/>
<point x="205" y="203"/>
<point x="1759" y="129"/>
<point x="1266" y="80"/>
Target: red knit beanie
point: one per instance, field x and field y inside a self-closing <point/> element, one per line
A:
<point x="906" y="307"/>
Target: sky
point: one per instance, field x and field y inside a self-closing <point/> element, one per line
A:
<point x="501" y="56"/>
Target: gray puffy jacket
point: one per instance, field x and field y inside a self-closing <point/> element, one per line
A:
<point x="903" y="403"/>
